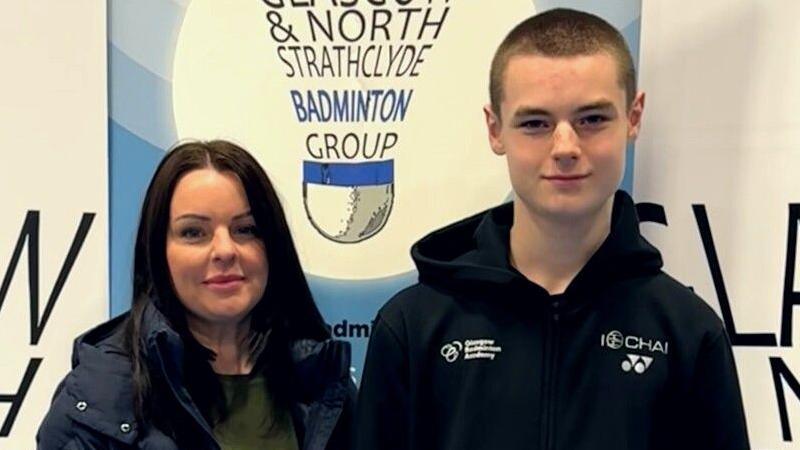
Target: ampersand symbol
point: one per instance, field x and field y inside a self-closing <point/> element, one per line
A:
<point x="277" y="28"/>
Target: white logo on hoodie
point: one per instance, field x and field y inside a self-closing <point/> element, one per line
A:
<point x="615" y="340"/>
<point x="471" y="348"/>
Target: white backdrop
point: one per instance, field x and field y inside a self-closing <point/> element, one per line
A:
<point x="720" y="150"/>
<point x="53" y="169"/>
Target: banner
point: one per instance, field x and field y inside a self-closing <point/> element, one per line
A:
<point x="719" y="152"/>
<point x="53" y="192"/>
<point x="366" y="115"/>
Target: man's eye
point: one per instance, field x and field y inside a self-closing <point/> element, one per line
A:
<point x="593" y="120"/>
<point x="534" y="124"/>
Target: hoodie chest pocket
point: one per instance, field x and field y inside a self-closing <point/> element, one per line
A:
<point x="618" y="383"/>
<point x="486" y="381"/>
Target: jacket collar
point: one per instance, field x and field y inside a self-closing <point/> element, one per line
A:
<point x="100" y="384"/>
<point x="102" y="374"/>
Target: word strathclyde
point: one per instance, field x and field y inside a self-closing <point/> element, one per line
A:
<point x="352" y="61"/>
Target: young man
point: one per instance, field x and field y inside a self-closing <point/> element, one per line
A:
<point x="547" y="323"/>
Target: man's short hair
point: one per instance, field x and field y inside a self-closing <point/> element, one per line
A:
<point x="562" y="32"/>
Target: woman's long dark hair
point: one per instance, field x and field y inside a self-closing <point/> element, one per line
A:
<point x="285" y="313"/>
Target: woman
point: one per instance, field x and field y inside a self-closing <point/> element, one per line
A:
<point x="224" y="347"/>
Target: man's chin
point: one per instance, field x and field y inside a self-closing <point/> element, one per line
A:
<point x="568" y="210"/>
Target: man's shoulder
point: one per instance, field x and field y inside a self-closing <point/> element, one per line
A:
<point x="418" y="298"/>
<point x="681" y="298"/>
<point x="413" y="308"/>
<point x="665" y="300"/>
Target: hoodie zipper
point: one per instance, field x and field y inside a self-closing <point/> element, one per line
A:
<point x="553" y="333"/>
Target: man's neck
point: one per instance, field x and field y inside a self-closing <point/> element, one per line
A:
<point x="551" y="251"/>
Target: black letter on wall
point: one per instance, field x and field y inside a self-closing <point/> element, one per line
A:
<point x="30" y="233"/>
<point x="742" y="339"/>
<point x="780" y="373"/>
<point x="17" y="399"/>
<point x="791" y="298"/>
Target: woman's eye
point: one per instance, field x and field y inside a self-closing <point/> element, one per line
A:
<point x="247" y="230"/>
<point x="191" y="233"/>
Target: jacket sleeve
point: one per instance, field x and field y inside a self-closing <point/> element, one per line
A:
<point x="382" y="413"/>
<point x="717" y="419"/>
<point x="59" y="432"/>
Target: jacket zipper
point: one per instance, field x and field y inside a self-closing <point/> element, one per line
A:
<point x="553" y="332"/>
<point x="183" y="398"/>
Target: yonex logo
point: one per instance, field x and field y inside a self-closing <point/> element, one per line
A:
<point x="636" y="363"/>
<point x="472" y="349"/>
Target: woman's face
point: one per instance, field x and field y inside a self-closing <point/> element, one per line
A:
<point x="215" y="254"/>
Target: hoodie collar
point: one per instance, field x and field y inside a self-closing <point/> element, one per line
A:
<point x="472" y="255"/>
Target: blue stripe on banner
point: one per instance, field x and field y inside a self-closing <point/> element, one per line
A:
<point x="132" y="161"/>
<point x="140" y="100"/>
<point x="147" y="31"/>
<point x="349" y="174"/>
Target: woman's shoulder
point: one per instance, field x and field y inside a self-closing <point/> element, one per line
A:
<point x="94" y="402"/>
<point x="322" y="365"/>
<point x="329" y="356"/>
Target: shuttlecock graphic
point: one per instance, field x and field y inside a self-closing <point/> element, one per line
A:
<point x="348" y="202"/>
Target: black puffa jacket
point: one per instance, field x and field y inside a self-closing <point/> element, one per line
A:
<point x="475" y="356"/>
<point x="93" y="406"/>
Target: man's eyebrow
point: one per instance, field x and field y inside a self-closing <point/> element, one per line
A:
<point x="529" y="111"/>
<point x="600" y="104"/>
<point x="526" y="111"/>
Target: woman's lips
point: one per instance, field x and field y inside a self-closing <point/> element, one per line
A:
<point x="224" y="283"/>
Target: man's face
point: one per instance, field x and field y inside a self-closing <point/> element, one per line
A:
<point x="563" y="128"/>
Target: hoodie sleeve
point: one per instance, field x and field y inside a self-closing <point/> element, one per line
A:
<point x="382" y="413"/>
<point x="715" y="401"/>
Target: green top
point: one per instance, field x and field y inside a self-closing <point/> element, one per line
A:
<point x="253" y="420"/>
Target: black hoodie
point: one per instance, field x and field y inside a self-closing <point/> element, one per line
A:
<point x="476" y="356"/>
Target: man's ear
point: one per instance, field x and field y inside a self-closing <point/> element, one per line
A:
<point x="493" y="128"/>
<point x="635" y="116"/>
